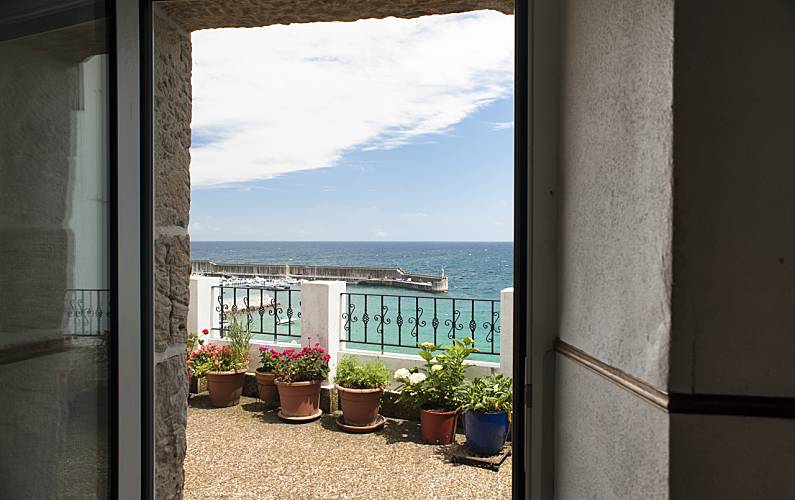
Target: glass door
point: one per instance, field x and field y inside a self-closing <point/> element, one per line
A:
<point x="57" y="327"/>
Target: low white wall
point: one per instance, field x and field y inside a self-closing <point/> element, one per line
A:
<point x="321" y="321"/>
<point x="202" y="303"/>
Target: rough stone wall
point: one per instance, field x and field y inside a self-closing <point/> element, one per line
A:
<point x="203" y="14"/>
<point x="172" y="249"/>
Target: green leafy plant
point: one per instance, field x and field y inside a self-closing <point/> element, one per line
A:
<point x="486" y="395"/>
<point x="310" y="363"/>
<point x="194" y="340"/>
<point x="239" y="336"/>
<point x="352" y="375"/>
<point x="435" y="386"/>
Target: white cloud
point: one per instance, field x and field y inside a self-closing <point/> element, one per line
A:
<point x="380" y="233"/>
<point x="267" y="101"/>
<point x="501" y="125"/>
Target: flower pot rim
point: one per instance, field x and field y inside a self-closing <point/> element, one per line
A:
<point x="359" y="391"/>
<point x="503" y="412"/>
<point x="230" y="372"/>
<point x="260" y="370"/>
<point x="449" y="412"/>
<point x="299" y="384"/>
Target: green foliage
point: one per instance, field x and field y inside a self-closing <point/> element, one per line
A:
<point x="483" y="395"/>
<point x="192" y="342"/>
<point x="239" y="340"/>
<point x="352" y="375"/>
<point x="436" y="384"/>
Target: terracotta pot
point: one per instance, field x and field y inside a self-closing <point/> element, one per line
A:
<point x="266" y="388"/>
<point x="360" y="406"/>
<point x="225" y="387"/>
<point x="437" y="427"/>
<point x="299" y="399"/>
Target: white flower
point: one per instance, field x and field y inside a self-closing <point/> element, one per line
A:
<point x="402" y="374"/>
<point x="416" y="378"/>
<point x="436" y="368"/>
<point x="427" y="345"/>
<point x="433" y="361"/>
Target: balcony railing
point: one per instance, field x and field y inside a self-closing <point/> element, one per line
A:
<point x="272" y="313"/>
<point x="87" y="312"/>
<point x="403" y="321"/>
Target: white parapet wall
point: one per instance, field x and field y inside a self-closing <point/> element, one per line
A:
<point x="506" y="332"/>
<point x="321" y="322"/>
<point x="202" y="303"/>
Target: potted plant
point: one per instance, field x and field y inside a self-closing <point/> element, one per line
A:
<point x="265" y="376"/>
<point x="434" y="388"/>
<point x="486" y="406"/>
<point x="191" y="342"/>
<point x="298" y="377"/>
<point x="360" y="387"/>
<point x="224" y="366"/>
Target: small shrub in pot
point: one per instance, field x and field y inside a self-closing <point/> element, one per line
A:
<point x="224" y="366"/>
<point x="265" y="375"/>
<point x="486" y="405"/>
<point x="298" y="378"/>
<point x="360" y="387"/>
<point x="434" y="388"/>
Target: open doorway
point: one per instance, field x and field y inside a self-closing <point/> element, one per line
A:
<point x="367" y="319"/>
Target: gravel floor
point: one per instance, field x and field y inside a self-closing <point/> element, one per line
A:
<point x="246" y="452"/>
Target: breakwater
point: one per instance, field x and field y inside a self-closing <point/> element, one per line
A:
<point x="362" y="275"/>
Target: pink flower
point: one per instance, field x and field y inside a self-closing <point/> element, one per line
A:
<point x="327" y="357"/>
<point x="262" y="348"/>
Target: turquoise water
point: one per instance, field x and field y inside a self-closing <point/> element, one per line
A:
<point x="476" y="270"/>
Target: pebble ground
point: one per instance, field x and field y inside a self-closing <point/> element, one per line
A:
<point x="245" y="451"/>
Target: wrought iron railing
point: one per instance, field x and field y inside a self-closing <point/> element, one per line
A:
<point x="270" y="311"/>
<point x="88" y="312"/>
<point x="400" y="322"/>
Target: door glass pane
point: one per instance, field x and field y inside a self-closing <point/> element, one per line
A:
<point x="55" y="314"/>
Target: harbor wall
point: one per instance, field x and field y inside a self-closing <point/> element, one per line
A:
<point x="355" y="274"/>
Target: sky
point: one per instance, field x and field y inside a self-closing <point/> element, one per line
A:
<point x="393" y="129"/>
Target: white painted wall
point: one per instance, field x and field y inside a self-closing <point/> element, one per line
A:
<point x="201" y="311"/>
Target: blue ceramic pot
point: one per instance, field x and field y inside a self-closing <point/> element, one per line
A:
<point x="486" y="432"/>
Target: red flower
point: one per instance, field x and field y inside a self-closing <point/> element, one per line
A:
<point x="262" y="348"/>
<point x="327" y="357"/>
<point x="206" y="331"/>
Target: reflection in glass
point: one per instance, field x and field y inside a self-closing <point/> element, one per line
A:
<point x="55" y="313"/>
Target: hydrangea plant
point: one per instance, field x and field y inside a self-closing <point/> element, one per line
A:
<point x="436" y="385"/>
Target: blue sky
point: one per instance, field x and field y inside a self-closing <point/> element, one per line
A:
<point x="408" y="140"/>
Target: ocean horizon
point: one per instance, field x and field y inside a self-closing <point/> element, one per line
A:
<point x="475" y="269"/>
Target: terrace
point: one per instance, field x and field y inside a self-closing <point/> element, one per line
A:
<point x="272" y="459"/>
<point x="317" y="459"/>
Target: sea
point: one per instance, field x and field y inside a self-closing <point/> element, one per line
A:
<point x="474" y="269"/>
<point x="386" y="318"/>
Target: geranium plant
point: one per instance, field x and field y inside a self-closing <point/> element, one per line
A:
<point x="436" y="385"/>
<point x="212" y="357"/>
<point x="269" y="358"/>
<point x="308" y="364"/>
